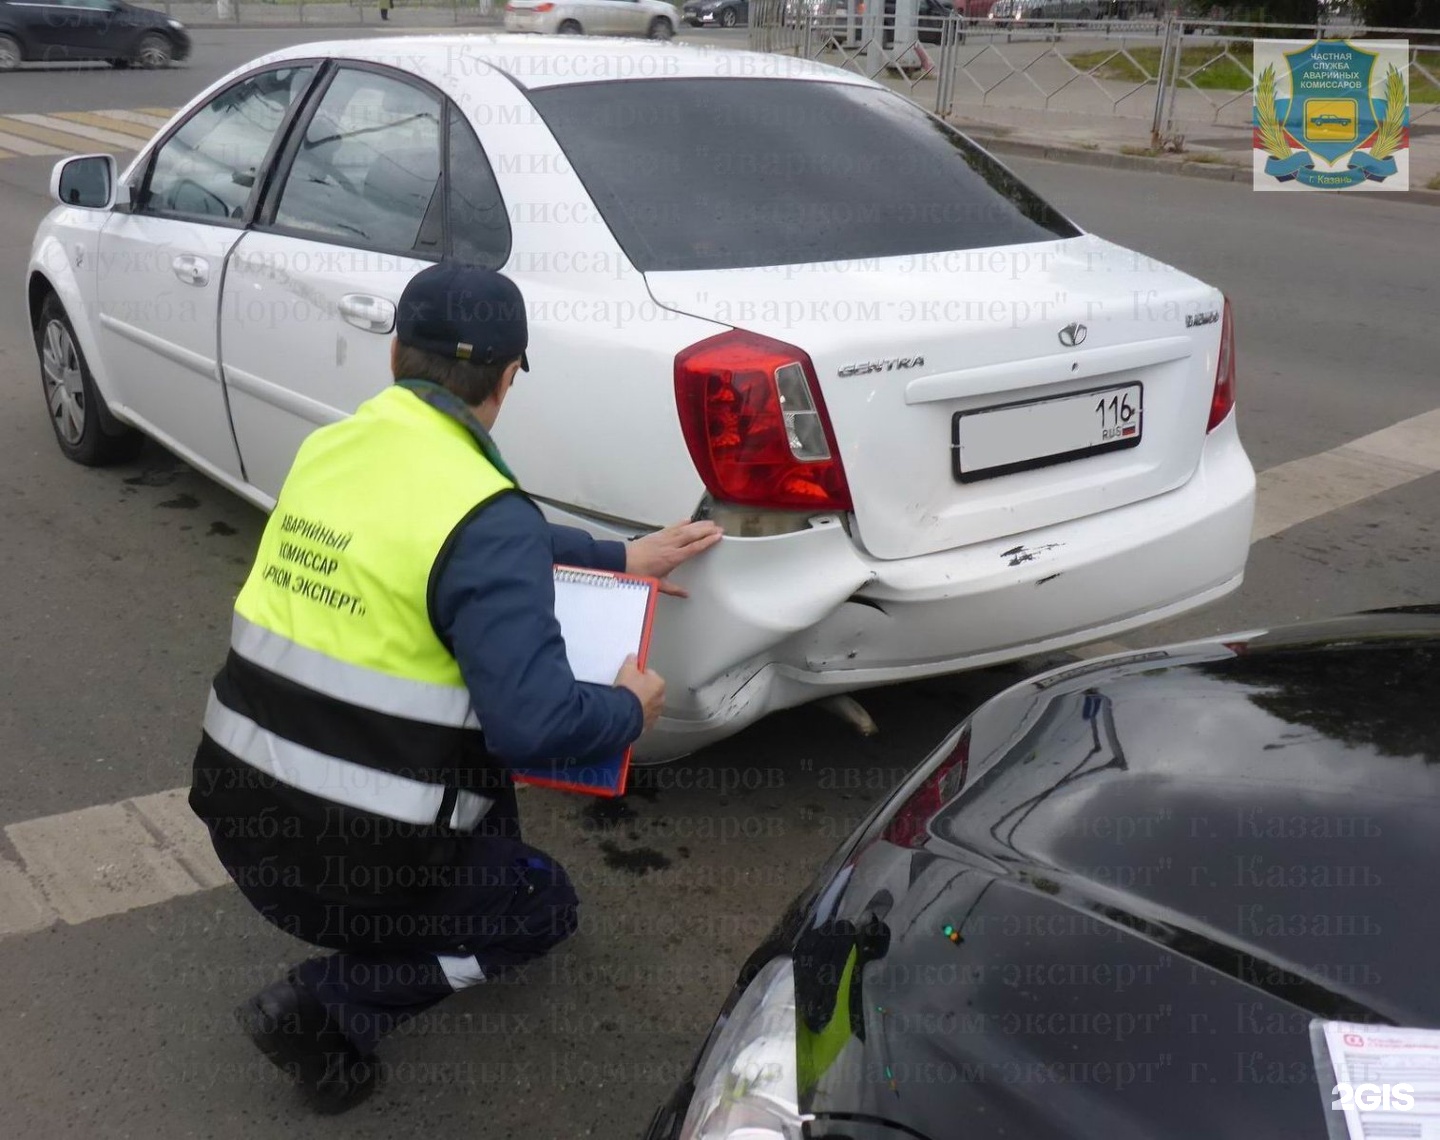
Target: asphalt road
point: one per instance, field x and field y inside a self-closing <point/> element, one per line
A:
<point x="116" y="589"/>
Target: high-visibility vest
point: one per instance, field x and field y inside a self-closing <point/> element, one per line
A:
<point x="339" y="707"/>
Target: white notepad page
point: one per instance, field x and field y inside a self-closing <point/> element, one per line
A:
<point x="602" y="620"/>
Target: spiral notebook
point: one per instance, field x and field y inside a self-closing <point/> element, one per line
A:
<point x="604" y="617"/>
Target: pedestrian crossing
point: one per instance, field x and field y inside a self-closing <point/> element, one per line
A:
<point x="78" y="132"/>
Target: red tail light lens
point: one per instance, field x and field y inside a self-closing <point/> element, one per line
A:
<point x="544" y="8"/>
<point x="1223" y="399"/>
<point x="755" y="423"/>
<point x="910" y="826"/>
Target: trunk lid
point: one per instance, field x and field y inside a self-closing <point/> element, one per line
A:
<point x="901" y="345"/>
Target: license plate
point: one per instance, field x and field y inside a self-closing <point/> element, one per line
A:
<point x="1037" y="433"/>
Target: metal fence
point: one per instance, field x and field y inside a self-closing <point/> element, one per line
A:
<point x="1163" y="72"/>
<point x="1206" y="73"/>
<point x="334" y="13"/>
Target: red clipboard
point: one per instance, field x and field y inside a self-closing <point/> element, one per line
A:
<point x="607" y="777"/>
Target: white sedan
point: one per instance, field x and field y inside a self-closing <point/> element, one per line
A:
<point x="942" y="426"/>
<point x="653" y="19"/>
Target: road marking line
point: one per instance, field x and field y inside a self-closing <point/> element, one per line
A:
<point x="25" y="146"/>
<point x="68" y="142"/>
<point x="169" y="818"/>
<point x="114" y="858"/>
<point x="22" y="906"/>
<point x="101" y="860"/>
<point x="1304" y="489"/>
<point x="139" y="118"/>
<point x="108" y="120"/>
<point x="94" y="134"/>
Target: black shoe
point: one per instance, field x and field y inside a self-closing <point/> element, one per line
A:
<point x="290" y="1026"/>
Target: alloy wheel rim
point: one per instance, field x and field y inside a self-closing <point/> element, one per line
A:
<point x="153" y="55"/>
<point x="64" y="387"/>
<point x="9" y="56"/>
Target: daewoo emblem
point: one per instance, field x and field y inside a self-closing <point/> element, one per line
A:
<point x="1072" y="334"/>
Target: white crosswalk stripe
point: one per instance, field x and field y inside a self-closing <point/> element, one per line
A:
<point x="84" y="130"/>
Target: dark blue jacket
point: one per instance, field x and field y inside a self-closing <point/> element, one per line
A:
<point x="494" y="606"/>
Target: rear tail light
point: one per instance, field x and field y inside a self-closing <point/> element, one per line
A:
<point x="910" y="826"/>
<point x="1223" y="398"/>
<point x="756" y="425"/>
<point x="543" y="8"/>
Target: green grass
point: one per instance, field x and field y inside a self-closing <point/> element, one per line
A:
<point x="1434" y="183"/>
<point x="1208" y="67"/>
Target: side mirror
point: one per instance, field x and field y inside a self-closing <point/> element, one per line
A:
<point x="88" y="182"/>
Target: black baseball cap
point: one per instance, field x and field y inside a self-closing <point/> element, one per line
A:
<point x="464" y="312"/>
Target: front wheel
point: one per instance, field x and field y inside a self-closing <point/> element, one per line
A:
<point x="154" y="51"/>
<point x="661" y="29"/>
<point x="9" y="53"/>
<point x="728" y="18"/>
<point x="571" y="28"/>
<point x="77" y="410"/>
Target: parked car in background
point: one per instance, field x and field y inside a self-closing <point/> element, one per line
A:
<point x="72" y="30"/>
<point x="716" y="13"/>
<point x="1112" y="903"/>
<point x="653" y="19"/>
<point x="973" y="9"/>
<point x="942" y="429"/>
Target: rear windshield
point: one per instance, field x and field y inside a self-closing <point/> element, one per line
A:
<point x="730" y="173"/>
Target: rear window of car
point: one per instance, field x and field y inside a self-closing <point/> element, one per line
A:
<point x="722" y="173"/>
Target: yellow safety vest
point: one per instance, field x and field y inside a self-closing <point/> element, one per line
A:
<point x="337" y="685"/>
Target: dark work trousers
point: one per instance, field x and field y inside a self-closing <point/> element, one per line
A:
<point x="510" y="903"/>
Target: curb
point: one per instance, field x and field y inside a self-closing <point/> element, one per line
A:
<point x="1213" y="172"/>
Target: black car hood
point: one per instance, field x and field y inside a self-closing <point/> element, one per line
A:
<point x="1155" y="874"/>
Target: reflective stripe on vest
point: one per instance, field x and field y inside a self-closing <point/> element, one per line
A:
<point x="336" y="780"/>
<point x="394" y="696"/>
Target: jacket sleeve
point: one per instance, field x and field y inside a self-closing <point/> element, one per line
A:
<point x="573" y="547"/>
<point x="493" y="603"/>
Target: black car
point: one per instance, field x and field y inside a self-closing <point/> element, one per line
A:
<point x="712" y="13"/>
<point x="121" y="34"/>
<point x="1112" y="905"/>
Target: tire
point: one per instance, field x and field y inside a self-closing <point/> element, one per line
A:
<point x="10" y="53"/>
<point x="571" y="28"/>
<point x="660" y="29"/>
<point x="154" y="51"/>
<point x="84" y="428"/>
<point x="728" y="18"/>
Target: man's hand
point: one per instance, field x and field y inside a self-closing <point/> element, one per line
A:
<point x="649" y="686"/>
<point x="655" y="555"/>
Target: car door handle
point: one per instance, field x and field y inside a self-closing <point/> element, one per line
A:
<point x="191" y="269"/>
<point x="373" y="314"/>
